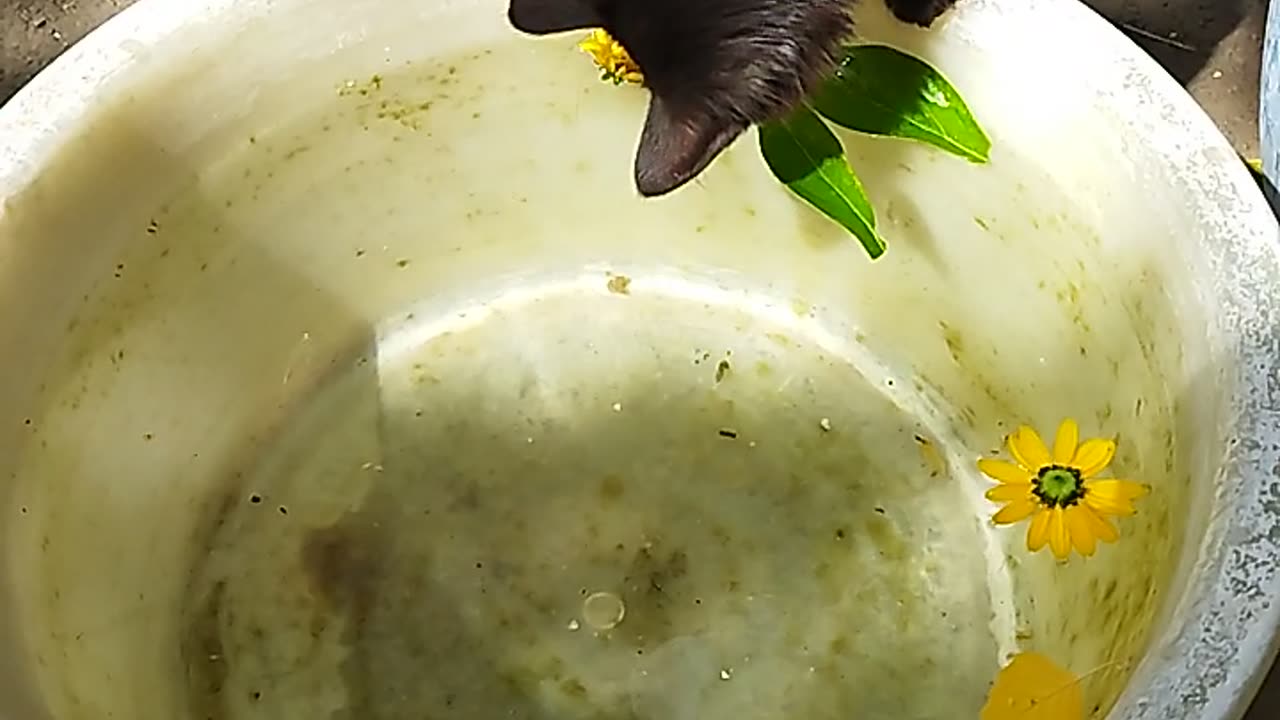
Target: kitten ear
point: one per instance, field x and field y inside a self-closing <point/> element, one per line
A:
<point x="543" y="17"/>
<point x="675" y="147"/>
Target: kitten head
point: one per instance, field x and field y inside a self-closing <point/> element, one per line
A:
<point x="713" y="67"/>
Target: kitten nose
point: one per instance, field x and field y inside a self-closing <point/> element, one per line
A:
<point x="650" y="183"/>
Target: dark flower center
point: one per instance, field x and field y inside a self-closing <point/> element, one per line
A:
<point x="1058" y="486"/>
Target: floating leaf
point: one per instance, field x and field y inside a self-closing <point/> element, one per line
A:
<point x="1033" y="687"/>
<point x="881" y="90"/>
<point x="807" y="157"/>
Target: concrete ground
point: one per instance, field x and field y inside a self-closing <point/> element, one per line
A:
<point x="1212" y="47"/>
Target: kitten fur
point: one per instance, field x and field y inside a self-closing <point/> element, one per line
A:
<point x="713" y="67"/>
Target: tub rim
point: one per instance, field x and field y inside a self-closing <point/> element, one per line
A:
<point x="1213" y="660"/>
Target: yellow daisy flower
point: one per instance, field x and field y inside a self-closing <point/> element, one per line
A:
<point x="615" y="62"/>
<point x="1060" y="491"/>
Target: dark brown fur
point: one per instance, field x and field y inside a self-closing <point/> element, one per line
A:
<point x="713" y="67"/>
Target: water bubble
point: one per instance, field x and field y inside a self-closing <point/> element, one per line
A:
<point x="603" y="610"/>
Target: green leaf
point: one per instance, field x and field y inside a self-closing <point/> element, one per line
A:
<point x="807" y="157"/>
<point x="881" y="90"/>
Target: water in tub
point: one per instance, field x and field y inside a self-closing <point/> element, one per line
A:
<point x="598" y="457"/>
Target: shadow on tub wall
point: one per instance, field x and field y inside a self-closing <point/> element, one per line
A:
<point x="155" y="368"/>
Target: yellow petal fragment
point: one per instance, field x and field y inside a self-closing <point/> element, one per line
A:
<point x="1094" y="456"/>
<point x="1004" y="472"/>
<point x="1059" y="537"/>
<point x="1038" y="530"/>
<point x="1009" y="492"/>
<point x="1033" y="687"/>
<point x="1098" y="525"/>
<point x="1016" y="511"/>
<point x="1028" y="449"/>
<point x="1080" y="530"/>
<point x="1065" y="442"/>
<point x="611" y="57"/>
<point x="598" y="45"/>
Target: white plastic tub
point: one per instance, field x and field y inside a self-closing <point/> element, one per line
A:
<point x="342" y="364"/>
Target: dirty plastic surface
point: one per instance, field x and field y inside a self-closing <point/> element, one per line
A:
<point x="390" y="399"/>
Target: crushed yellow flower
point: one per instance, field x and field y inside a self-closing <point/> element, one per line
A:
<point x="614" y="61"/>
<point x="1060" y="491"/>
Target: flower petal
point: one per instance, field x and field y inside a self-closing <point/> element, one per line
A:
<point x="1094" y="456"/>
<point x="1038" y="530"/>
<point x="1059" y="536"/>
<point x="1102" y="529"/>
<point x="1064" y="443"/>
<point x="1118" y="489"/>
<point x="1113" y="497"/>
<point x="1009" y="492"/>
<point x="1015" y="511"/>
<point x="1081" y="532"/>
<point x="1108" y="505"/>
<point x="1028" y="449"/>
<point x="1004" y="472"/>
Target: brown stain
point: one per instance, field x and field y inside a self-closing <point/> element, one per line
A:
<point x="650" y="587"/>
<point x="343" y="564"/>
<point x="346" y="565"/>
<point x="612" y="487"/>
<point x="201" y="645"/>
<point x="205" y="657"/>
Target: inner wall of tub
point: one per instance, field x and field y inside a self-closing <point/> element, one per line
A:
<point x="480" y="432"/>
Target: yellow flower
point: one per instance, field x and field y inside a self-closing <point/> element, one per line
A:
<point x="1060" y="491"/>
<point x="615" y="62"/>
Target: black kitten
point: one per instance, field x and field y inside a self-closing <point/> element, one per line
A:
<point x="713" y="67"/>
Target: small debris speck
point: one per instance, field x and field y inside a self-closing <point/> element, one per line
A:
<point x="725" y="673"/>
<point x="573" y="625"/>
<point x="619" y="285"/>
<point x="825" y="424"/>
<point x="722" y="370"/>
<point x="617" y="407"/>
<point x="729" y="433"/>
